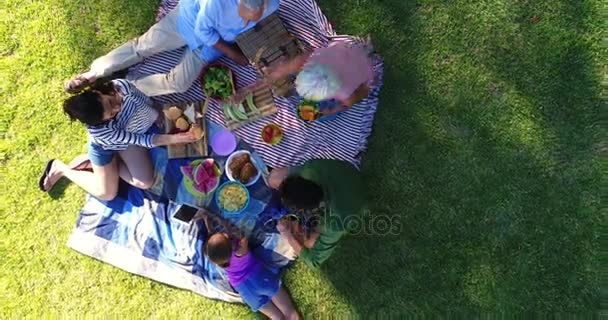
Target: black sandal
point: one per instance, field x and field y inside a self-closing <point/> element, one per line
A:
<point x="45" y="175"/>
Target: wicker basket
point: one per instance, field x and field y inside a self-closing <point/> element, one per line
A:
<point x="268" y="42"/>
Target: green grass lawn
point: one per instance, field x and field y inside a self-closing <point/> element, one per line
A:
<point x="486" y="145"/>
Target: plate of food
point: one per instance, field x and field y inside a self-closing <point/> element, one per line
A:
<point x="218" y="81"/>
<point x="182" y="121"/>
<point x="186" y="117"/>
<point x="201" y="177"/>
<point x="241" y="167"/>
<point x="272" y="134"/>
<point x="308" y="111"/>
<point x="232" y="197"/>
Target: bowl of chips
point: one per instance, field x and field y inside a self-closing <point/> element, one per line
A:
<point x="232" y="197"/>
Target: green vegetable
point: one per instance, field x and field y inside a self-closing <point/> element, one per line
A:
<point x="226" y="114"/>
<point x="239" y="111"/>
<point x="217" y="82"/>
<point x="230" y="111"/>
<point x="252" y="106"/>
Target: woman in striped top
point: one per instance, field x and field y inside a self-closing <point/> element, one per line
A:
<point x="120" y="121"/>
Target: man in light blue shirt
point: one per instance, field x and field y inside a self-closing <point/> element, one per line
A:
<point x="207" y="27"/>
<point x="211" y="26"/>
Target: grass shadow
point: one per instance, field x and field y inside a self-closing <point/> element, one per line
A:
<point x="495" y="188"/>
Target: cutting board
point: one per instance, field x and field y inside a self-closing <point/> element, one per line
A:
<point x="196" y="149"/>
<point x="264" y="102"/>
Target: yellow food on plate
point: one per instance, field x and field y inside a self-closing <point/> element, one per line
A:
<point x="232" y="197"/>
<point x="182" y="124"/>
<point x="173" y="113"/>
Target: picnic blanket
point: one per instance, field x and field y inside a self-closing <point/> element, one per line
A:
<point x="343" y="138"/>
<point x="137" y="232"/>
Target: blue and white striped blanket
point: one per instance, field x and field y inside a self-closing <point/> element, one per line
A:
<point x="344" y="138"/>
<point x="136" y="231"/>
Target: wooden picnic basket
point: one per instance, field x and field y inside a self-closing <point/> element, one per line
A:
<point x="268" y="42"/>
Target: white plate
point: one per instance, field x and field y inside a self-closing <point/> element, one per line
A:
<point x="229" y="173"/>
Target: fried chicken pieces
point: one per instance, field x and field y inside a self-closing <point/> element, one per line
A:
<point x="242" y="168"/>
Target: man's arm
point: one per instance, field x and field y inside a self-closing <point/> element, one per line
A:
<point x="231" y="52"/>
<point x="297" y="239"/>
<point x="316" y="247"/>
<point x="276" y="177"/>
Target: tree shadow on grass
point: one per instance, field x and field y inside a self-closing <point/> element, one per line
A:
<point x="491" y="220"/>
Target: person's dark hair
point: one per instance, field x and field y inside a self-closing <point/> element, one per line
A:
<point x="301" y="193"/>
<point x="86" y="106"/>
<point x="219" y="249"/>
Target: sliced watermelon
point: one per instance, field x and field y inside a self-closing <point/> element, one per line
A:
<point x="211" y="172"/>
<point x="212" y="183"/>
<point x="200" y="188"/>
<point x="208" y="164"/>
<point x="187" y="171"/>
<point x="200" y="175"/>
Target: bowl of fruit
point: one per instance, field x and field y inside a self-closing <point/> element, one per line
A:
<point x="308" y="111"/>
<point x="272" y="134"/>
<point x="201" y="177"/>
<point x="232" y="198"/>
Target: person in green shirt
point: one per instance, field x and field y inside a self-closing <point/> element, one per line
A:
<point x="330" y="191"/>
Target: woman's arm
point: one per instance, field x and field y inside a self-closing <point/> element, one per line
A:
<point x="281" y="70"/>
<point x="243" y="248"/>
<point x="110" y="137"/>
<point x="359" y="94"/>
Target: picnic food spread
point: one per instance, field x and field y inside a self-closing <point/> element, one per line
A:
<point x="233" y="197"/>
<point x="242" y="168"/>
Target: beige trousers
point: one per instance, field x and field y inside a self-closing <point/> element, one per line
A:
<point x="162" y="36"/>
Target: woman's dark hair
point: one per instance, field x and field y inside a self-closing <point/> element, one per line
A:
<point x="86" y="106"/>
<point x="219" y="249"/>
<point x="301" y="193"/>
